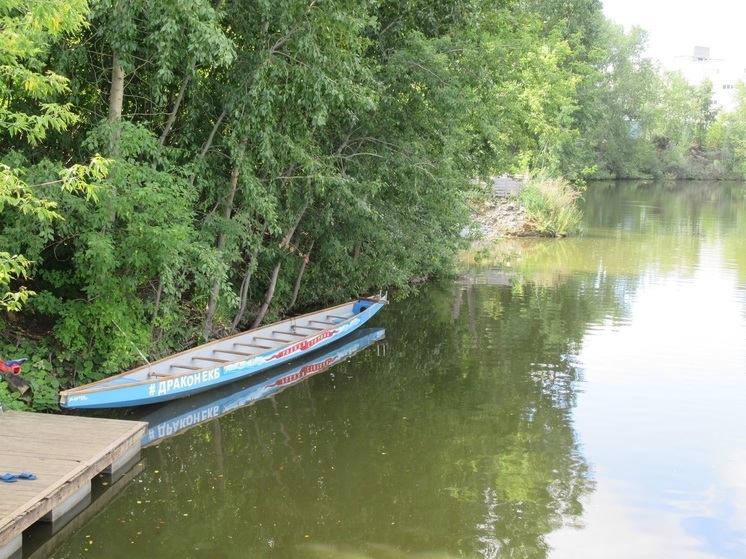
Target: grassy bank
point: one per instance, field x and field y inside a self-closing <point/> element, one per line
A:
<point x="551" y="206"/>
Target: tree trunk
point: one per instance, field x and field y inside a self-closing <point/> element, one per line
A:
<point x="276" y="272"/>
<point x="182" y="91"/>
<point x="116" y="93"/>
<point x="286" y="239"/>
<point x="158" y="295"/>
<point x="116" y="102"/>
<point x="268" y="297"/>
<point x="175" y="110"/>
<point x="16" y="383"/>
<point x="244" y="296"/>
<point x="208" y="143"/>
<point x="212" y="304"/>
<point x="299" y="277"/>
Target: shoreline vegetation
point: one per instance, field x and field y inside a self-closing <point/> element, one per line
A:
<point x="534" y="207"/>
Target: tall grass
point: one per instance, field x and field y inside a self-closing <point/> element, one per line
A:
<point x="551" y="206"/>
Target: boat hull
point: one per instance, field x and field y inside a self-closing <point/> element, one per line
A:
<point x="178" y="416"/>
<point x="128" y="391"/>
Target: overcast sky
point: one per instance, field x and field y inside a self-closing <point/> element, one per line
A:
<point x="676" y="26"/>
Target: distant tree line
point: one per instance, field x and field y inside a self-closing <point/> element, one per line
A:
<point x="174" y="171"/>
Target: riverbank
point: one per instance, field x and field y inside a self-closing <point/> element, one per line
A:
<point x="503" y="217"/>
<point x="540" y="207"/>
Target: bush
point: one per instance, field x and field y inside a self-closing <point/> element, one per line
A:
<point x="39" y="372"/>
<point x="552" y="206"/>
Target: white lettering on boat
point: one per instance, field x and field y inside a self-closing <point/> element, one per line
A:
<point x="175" y="425"/>
<point x="187" y="381"/>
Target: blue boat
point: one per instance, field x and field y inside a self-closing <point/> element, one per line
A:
<point x="225" y="360"/>
<point x="176" y="417"/>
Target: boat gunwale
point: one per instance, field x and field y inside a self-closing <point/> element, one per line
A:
<point x="98" y="386"/>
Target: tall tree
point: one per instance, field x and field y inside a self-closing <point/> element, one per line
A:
<point x="625" y="97"/>
<point x="31" y="107"/>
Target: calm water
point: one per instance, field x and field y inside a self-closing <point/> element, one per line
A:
<point x="580" y="398"/>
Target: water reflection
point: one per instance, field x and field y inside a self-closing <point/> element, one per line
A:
<point x="663" y="409"/>
<point x="661" y="402"/>
<point x="437" y="450"/>
<point x="579" y="398"/>
<point x="498" y="387"/>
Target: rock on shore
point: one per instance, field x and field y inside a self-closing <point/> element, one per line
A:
<point x="503" y="217"/>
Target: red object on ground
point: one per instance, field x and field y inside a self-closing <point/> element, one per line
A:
<point x="11" y="366"/>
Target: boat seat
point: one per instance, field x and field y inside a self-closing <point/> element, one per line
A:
<point x="323" y="322"/>
<point x="286" y="332"/>
<point x="210" y="359"/>
<point x="334" y="316"/>
<point x="244" y="344"/>
<point x="189" y="367"/>
<point x="234" y="352"/>
<point x="308" y="327"/>
<point x="272" y="339"/>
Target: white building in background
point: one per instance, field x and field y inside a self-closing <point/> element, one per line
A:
<point x="722" y="73"/>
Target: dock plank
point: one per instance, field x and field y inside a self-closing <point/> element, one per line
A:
<point x="64" y="452"/>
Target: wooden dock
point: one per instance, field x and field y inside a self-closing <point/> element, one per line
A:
<point x="502" y="187"/>
<point x="64" y="453"/>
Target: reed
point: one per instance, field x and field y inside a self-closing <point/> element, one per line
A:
<point x="552" y="206"/>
